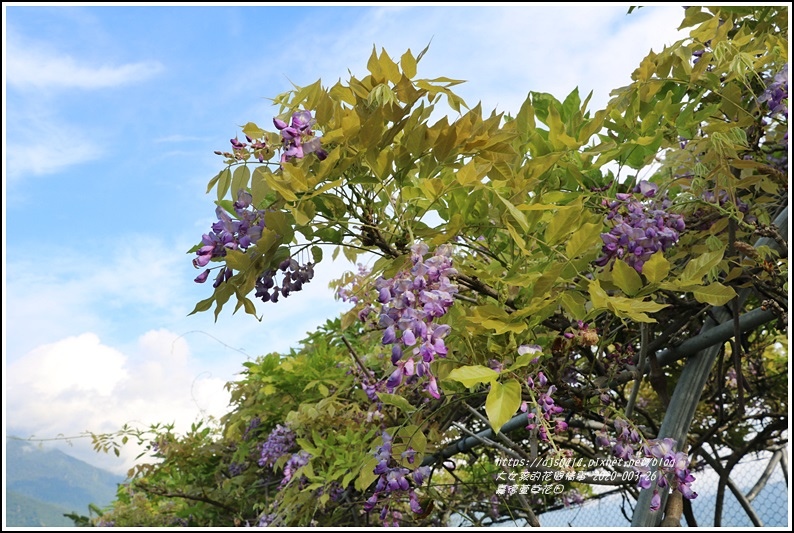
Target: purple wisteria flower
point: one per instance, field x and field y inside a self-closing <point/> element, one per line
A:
<point x="672" y="467"/>
<point x="230" y="234"/>
<point x="279" y="443"/>
<point x="639" y="229"/>
<point x="394" y="481"/>
<point x="298" y="137"/>
<point x="547" y="409"/>
<point x="297" y="461"/>
<point x="411" y="301"/>
<point x="776" y="93"/>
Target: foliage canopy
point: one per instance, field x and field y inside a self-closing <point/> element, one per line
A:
<point x="540" y="270"/>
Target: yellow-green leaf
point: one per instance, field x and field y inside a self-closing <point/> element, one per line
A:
<point x="656" y="268"/>
<point x="472" y="375"/>
<point x="714" y="294"/>
<point x="598" y="295"/>
<point x="408" y="64"/>
<point x="224" y="181"/>
<point x="467" y="175"/>
<point x="562" y="223"/>
<point x="367" y="476"/>
<point x="583" y="239"/>
<point x="203" y="305"/>
<point x="237" y="260"/>
<point x="397" y="401"/>
<point x="701" y="265"/>
<point x="626" y="278"/>
<point x="518" y="215"/>
<point x="573" y="303"/>
<point x="502" y="403"/>
<point x="240" y="180"/>
<point x="253" y="131"/>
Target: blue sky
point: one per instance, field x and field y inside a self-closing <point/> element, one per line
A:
<point x="111" y="116"/>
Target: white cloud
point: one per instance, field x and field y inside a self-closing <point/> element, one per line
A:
<point x="503" y="52"/>
<point x="62" y="368"/>
<point x="42" y="142"/>
<point x="50" y="149"/>
<point x="80" y="384"/>
<point x="37" y="66"/>
<point x="138" y="278"/>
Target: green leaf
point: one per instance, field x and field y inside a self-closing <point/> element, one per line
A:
<point x="213" y="181"/>
<point x="472" y="375"/>
<point x="279" y="222"/>
<point x="308" y="446"/>
<point x="367" y="476"/>
<point x="317" y="254"/>
<point x="656" y="268"/>
<point x="240" y="180"/>
<point x="583" y="239"/>
<point x="522" y="361"/>
<point x="502" y="403"/>
<point x="701" y="265"/>
<point x="237" y="260"/>
<point x="518" y="215"/>
<point x="626" y="278"/>
<point x="397" y="401"/>
<point x="714" y="294"/>
<point x="203" y="305"/>
<point x="253" y="131"/>
<point x="408" y="64"/>
<point x="562" y="223"/>
<point x="224" y="181"/>
<point x="410" y="437"/>
<point x="598" y="295"/>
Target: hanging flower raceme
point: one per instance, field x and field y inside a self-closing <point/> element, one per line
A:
<point x="298" y="137"/>
<point x="280" y="442"/>
<point x="673" y="470"/>
<point x="672" y="466"/>
<point x="547" y="409"/>
<point x="230" y="234"/>
<point x="639" y="229"/>
<point x="394" y="482"/>
<point x="412" y="300"/>
<point x="776" y="93"/>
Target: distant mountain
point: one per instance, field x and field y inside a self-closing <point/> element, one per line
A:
<point x="42" y="483"/>
<point x="24" y="511"/>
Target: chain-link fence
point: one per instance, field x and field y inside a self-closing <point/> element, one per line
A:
<point x="761" y="481"/>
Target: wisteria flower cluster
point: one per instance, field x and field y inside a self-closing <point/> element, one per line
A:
<point x="639" y="229"/>
<point x="673" y="471"/>
<point x="294" y="277"/>
<point x="395" y="481"/>
<point x="776" y="99"/>
<point x="547" y="409"/>
<point x="411" y="301"/>
<point x="293" y="464"/>
<point x="673" y="467"/>
<point x="280" y="442"/>
<point x="230" y="234"/>
<point x="298" y="137"/>
<point x="776" y="93"/>
<point x="627" y="441"/>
